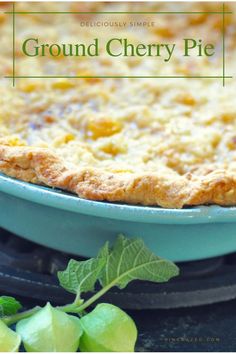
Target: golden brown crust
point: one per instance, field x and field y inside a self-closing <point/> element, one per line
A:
<point x="40" y="166"/>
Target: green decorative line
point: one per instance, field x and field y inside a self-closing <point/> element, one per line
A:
<point x="121" y="77"/>
<point x="13" y="45"/>
<point x="223" y="13"/>
<point x="223" y="42"/>
<point x="120" y="12"/>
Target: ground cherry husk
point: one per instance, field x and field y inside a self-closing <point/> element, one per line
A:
<point x="108" y="329"/>
<point x="50" y="330"/>
<point x="9" y="340"/>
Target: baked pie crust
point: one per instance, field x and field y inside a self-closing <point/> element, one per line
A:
<point x="170" y="143"/>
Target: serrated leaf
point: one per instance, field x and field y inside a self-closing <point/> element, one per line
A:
<point x="81" y="276"/>
<point x="9" y="306"/>
<point x="130" y="259"/>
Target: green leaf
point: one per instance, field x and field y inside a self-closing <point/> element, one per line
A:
<point x="81" y="276"/>
<point x="9" y="306"/>
<point x="130" y="259"/>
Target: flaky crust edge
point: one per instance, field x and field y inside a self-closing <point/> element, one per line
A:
<point x="41" y="166"/>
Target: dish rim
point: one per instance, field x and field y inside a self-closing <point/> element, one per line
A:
<point x="137" y="213"/>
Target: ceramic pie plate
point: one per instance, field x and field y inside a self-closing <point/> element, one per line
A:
<point x="62" y="221"/>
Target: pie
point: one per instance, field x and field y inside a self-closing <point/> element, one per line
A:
<point x="169" y="142"/>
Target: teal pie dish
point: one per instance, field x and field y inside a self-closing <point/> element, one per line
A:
<point x="62" y="221"/>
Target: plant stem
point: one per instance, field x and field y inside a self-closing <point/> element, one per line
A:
<point x="78" y="301"/>
<point x="74" y="308"/>
<point x="9" y="320"/>
<point x="71" y="308"/>
<point x="95" y="297"/>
